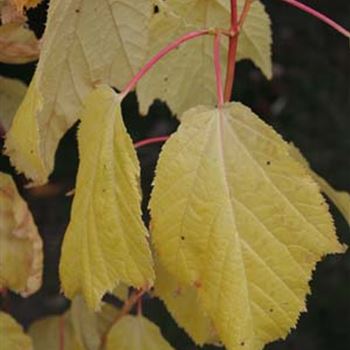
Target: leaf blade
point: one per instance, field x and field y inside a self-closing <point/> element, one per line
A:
<point x="191" y="79"/>
<point x="104" y="228"/>
<point x="244" y="220"/>
<point x="71" y="42"/>
<point x="21" y="248"/>
<point x="12" y="336"/>
<point x="136" y="333"/>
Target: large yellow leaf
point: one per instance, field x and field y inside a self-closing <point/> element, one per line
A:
<point x="136" y="333"/>
<point x="340" y="199"/>
<point x="183" y="304"/>
<point x="21" y="255"/>
<point x="85" y="43"/>
<point x="17" y="44"/>
<point x="11" y="334"/>
<point x="236" y="217"/>
<point x="12" y="92"/>
<point x="105" y="242"/>
<point x="190" y="80"/>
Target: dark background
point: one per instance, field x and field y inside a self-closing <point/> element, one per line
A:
<point x="308" y="102"/>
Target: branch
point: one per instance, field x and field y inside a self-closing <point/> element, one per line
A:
<point x="150" y="141"/>
<point x="217" y="66"/>
<point x="189" y="36"/>
<point x="319" y="16"/>
<point x="232" y="52"/>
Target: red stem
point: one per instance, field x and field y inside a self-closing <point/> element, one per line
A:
<point x="234" y="15"/>
<point x="232" y="52"/>
<point x="150" y="141"/>
<point x="217" y="65"/>
<point x="189" y="36"/>
<point x="320" y="16"/>
<point x="61" y="333"/>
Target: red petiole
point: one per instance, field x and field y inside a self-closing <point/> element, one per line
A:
<point x="150" y="141"/>
<point x="319" y="15"/>
<point x="189" y="36"/>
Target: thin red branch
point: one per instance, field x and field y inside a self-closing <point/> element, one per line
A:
<point x="232" y="52"/>
<point x="245" y="11"/>
<point x="150" y="141"/>
<point x="128" y="305"/>
<point x="234" y="15"/>
<point x="319" y="16"/>
<point x="189" y="36"/>
<point x="61" y="332"/>
<point x="217" y="66"/>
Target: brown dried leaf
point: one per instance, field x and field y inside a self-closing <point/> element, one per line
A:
<point x="17" y="44"/>
<point x="21" y="256"/>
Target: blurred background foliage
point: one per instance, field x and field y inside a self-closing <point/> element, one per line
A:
<point x="308" y="102"/>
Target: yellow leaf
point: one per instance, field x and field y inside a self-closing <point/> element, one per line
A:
<point x="22" y="140"/>
<point x="91" y="327"/>
<point x="106" y="238"/>
<point x="12" y="92"/>
<point x="234" y="216"/>
<point x="85" y="324"/>
<point x="11" y="334"/>
<point x="85" y="43"/>
<point x="183" y="304"/>
<point x="54" y="333"/>
<point x="340" y="199"/>
<point x="191" y="79"/>
<point x="136" y="333"/>
<point x="121" y="292"/>
<point x="17" y="44"/>
<point x="79" y="328"/>
<point x="21" y="255"/>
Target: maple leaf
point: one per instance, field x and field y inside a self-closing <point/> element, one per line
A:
<point x="236" y="217"/>
<point x="186" y="77"/>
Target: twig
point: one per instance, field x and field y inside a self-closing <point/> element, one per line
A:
<point x="217" y="66"/>
<point x="319" y="16"/>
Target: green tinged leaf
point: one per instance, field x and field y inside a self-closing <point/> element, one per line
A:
<point x="106" y="240"/>
<point x="78" y="329"/>
<point x="186" y="77"/>
<point x="85" y="43"/>
<point x="12" y="336"/>
<point x="136" y="333"/>
<point x="54" y="333"/>
<point x="234" y="216"/>
<point x="12" y="92"/>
